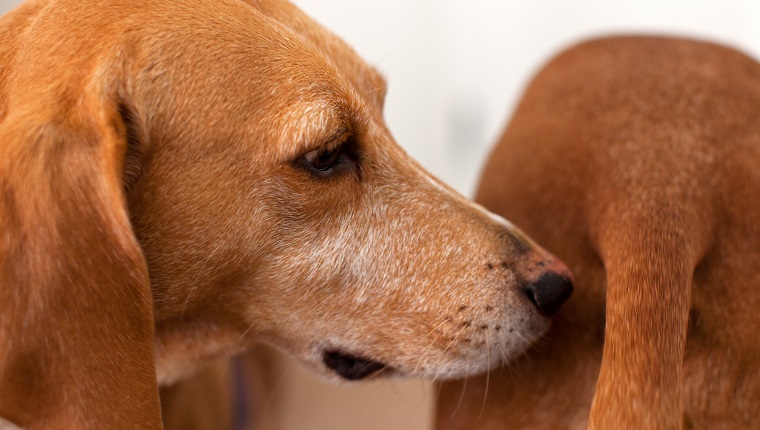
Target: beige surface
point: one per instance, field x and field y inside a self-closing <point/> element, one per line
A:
<point x="283" y="395"/>
<point x="300" y="400"/>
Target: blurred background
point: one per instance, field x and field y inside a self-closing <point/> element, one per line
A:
<point x="456" y="70"/>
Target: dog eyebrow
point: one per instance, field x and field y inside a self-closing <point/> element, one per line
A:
<point x="311" y="125"/>
<point x="337" y="135"/>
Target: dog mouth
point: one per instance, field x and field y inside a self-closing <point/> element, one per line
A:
<point x="352" y="367"/>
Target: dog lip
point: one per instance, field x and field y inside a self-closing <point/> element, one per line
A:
<point x="352" y="367"/>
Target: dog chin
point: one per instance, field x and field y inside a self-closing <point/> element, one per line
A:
<point x="339" y="361"/>
<point x="339" y="366"/>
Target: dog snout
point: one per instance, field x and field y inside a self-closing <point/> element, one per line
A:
<point x="552" y="288"/>
<point x="548" y="282"/>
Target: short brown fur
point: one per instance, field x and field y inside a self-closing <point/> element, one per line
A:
<point x="636" y="160"/>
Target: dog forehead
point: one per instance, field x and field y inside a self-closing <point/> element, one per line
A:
<point x="275" y="31"/>
<point x="273" y="73"/>
<point x="312" y="118"/>
<point x="366" y="78"/>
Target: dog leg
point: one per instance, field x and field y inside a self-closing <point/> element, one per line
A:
<point x="649" y="274"/>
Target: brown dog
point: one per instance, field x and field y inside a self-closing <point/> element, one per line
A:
<point x="637" y="160"/>
<point x="179" y="178"/>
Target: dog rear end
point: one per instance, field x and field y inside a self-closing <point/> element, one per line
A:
<point x="635" y="160"/>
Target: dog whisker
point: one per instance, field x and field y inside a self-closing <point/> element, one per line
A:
<point x="438" y="387"/>
<point x="195" y="282"/>
<point x="503" y="353"/>
<point x="456" y="337"/>
<point x="224" y="371"/>
<point x="429" y="346"/>
<point x="374" y="90"/>
<point x="459" y="402"/>
<point x="453" y="340"/>
<point x="422" y="356"/>
<point x="377" y="372"/>
<point x="488" y="375"/>
<point x="430" y="332"/>
<point x="250" y="327"/>
<point x="420" y="406"/>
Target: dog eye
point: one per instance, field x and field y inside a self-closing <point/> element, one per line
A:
<point x="331" y="159"/>
<point x="323" y="159"/>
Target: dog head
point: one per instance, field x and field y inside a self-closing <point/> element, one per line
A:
<point x="270" y="201"/>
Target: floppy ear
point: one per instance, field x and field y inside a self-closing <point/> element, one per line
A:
<point x="76" y="321"/>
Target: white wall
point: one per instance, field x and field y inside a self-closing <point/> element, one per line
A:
<point x="456" y="68"/>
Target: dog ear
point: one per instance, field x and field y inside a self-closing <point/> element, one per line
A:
<point x="76" y="319"/>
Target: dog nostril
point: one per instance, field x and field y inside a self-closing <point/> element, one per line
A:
<point x="549" y="292"/>
<point x="351" y="367"/>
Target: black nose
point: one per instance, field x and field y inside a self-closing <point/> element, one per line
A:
<point x="351" y="367"/>
<point x="549" y="292"/>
